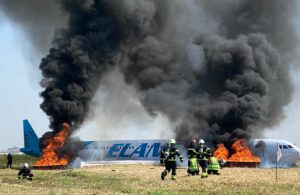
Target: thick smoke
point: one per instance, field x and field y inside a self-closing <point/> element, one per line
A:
<point x="223" y="76"/>
<point x="219" y="75"/>
<point x="219" y="70"/>
<point x="83" y="52"/>
<point x="239" y="88"/>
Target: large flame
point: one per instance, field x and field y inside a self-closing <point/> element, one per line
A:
<point x="49" y="155"/>
<point x="242" y="152"/>
<point x="221" y="153"/>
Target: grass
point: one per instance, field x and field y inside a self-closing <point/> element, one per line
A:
<point x="18" y="160"/>
<point x="145" y="179"/>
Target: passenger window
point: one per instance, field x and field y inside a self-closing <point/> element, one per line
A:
<point x="290" y="146"/>
<point x="280" y="146"/>
<point x="285" y="147"/>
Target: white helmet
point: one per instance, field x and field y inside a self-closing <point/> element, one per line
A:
<point x="26" y="165"/>
<point x="172" y="141"/>
<point x="201" y="141"/>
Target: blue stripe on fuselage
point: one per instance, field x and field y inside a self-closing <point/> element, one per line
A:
<point x="121" y="150"/>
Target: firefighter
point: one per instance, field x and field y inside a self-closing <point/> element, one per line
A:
<point x="25" y="172"/>
<point x="170" y="162"/>
<point x="193" y="167"/>
<point x="9" y="160"/>
<point x="213" y="166"/>
<point x="203" y="154"/>
<point x="164" y="152"/>
<point x="192" y="149"/>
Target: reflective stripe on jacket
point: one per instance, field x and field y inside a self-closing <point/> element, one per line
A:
<point x="204" y="153"/>
<point x="192" y="151"/>
<point x="173" y="153"/>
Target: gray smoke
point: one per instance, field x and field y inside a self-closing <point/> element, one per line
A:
<point x="39" y="20"/>
<point x="219" y="69"/>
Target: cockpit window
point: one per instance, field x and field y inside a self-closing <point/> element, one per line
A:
<point x="285" y="147"/>
<point x="290" y="146"/>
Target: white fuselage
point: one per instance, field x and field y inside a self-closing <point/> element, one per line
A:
<point x="270" y="150"/>
<point x="129" y="151"/>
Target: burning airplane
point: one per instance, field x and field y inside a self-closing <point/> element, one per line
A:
<point x="219" y="75"/>
<point x="147" y="151"/>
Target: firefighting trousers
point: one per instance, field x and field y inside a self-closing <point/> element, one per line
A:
<point x="170" y="166"/>
<point x="204" y="165"/>
<point x="215" y="172"/>
<point x="26" y="176"/>
<point x="192" y="172"/>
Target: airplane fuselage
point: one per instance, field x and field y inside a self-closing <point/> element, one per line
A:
<point x="268" y="151"/>
<point x="149" y="150"/>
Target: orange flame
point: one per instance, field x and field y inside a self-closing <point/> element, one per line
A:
<point x="221" y="153"/>
<point x="242" y="152"/>
<point x="49" y="155"/>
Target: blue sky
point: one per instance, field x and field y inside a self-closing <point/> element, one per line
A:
<point x="19" y="77"/>
<point x="19" y="87"/>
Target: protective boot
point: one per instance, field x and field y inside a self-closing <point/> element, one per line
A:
<point x="173" y="177"/>
<point x="204" y="175"/>
<point x="163" y="174"/>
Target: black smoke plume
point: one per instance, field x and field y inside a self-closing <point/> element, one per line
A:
<point x="73" y="68"/>
<point x="221" y="75"/>
<point x="219" y="70"/>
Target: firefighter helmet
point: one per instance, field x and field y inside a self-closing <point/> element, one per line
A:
<point x="201" y="141"/>
<point x="172" y="141"/>
<point x="26" y="165"/>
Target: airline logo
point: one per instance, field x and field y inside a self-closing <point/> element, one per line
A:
<point x="128" y="150"/>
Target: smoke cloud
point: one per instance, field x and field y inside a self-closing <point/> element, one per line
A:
<point x="219" y="70"/>
<point x="117" y="113"/>
<point x="224" y="75"/>
<point x="38" y="19"/>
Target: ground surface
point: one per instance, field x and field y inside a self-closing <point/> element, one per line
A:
<point x="145" y="179"/>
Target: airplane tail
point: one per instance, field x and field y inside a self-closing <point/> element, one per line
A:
<point x="31" y="140"/>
